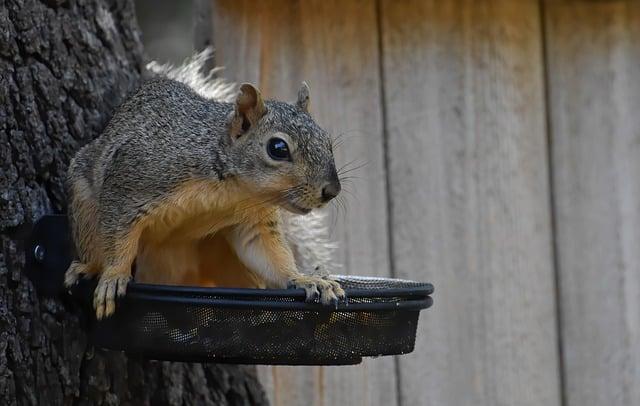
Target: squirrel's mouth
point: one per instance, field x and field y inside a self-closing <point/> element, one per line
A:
<point x="295" y="209"/>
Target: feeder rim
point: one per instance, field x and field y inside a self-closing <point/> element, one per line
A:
<point x="421" y="291"/>
<point x="409" y="298"/>
<point x="417" y="304"/>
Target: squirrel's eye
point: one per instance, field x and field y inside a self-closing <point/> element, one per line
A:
<point x="278" y="149"/>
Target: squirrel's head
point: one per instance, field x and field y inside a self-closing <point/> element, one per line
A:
<point x="280" y="151"/>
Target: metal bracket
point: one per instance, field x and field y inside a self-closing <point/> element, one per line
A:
<point x="49" y="252"/>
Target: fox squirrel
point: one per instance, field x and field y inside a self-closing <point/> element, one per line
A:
<point x="189" y="188"/>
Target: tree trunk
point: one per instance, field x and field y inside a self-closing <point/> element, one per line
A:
<point x="64" y="66"/>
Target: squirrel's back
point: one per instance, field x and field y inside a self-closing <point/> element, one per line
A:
<point x="163" y="118"/>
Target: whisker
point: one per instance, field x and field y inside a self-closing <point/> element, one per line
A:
<point x="344" y="170"/>
<point x="334" y="220"/>
<point x="348" y="134"/>
<point x="342" y="204"/>
<point x="350" y="179"/>
<point x="350" y="193"/>
<point x="347" y="164"/>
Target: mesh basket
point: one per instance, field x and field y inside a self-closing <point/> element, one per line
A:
<point x="264" y="326"/>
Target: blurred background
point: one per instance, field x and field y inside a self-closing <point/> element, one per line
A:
<point x="501" y="143"/>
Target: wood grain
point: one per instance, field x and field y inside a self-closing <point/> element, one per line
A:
<point x="333" y="46"/>
<point x="593" y="54"/>
<point x="470" y="208"/>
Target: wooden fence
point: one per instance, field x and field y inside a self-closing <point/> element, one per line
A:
<point x="502" y="141"/>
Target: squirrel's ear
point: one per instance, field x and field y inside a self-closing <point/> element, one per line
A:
<point x="249" y="109"/>
<point x="303" y="97"/>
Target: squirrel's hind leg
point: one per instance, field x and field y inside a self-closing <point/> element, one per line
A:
<point x="83" y="213"/>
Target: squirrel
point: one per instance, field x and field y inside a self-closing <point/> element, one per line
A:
<point x="184" y="178"/>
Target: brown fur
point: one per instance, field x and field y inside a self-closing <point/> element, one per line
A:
<point x="215" y="264"/>
<point x="182" y="241"/>
<point x="196" y="252"/>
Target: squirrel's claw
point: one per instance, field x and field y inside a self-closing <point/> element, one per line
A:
<point x="341" y="296"/>
<point x="104" y="297"/>
<point x="76" y="271"/>
<point x="323" y="288"/>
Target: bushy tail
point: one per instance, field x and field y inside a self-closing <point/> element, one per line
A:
<point x="191" y="73"/>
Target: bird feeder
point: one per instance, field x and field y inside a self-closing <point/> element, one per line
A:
<point x="237" y="325"/>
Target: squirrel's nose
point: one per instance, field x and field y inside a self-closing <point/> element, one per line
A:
<point x="330" y="190"/>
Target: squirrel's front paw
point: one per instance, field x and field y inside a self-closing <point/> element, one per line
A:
<point x="328" y="290"/>
<point x="109" y="287"/>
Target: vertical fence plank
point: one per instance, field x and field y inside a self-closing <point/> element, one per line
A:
<point x="333" y="46"/>
<point x="593" y="54"/>
<point x="468" y="173"/>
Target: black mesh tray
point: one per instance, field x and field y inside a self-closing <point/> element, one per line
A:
<point x="264" y="326"/>
<point x="244" y="326"/>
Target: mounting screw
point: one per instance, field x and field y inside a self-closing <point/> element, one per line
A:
<point x="38" y="253"/>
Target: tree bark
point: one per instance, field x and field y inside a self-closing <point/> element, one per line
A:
<point x="64" y="66"/>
